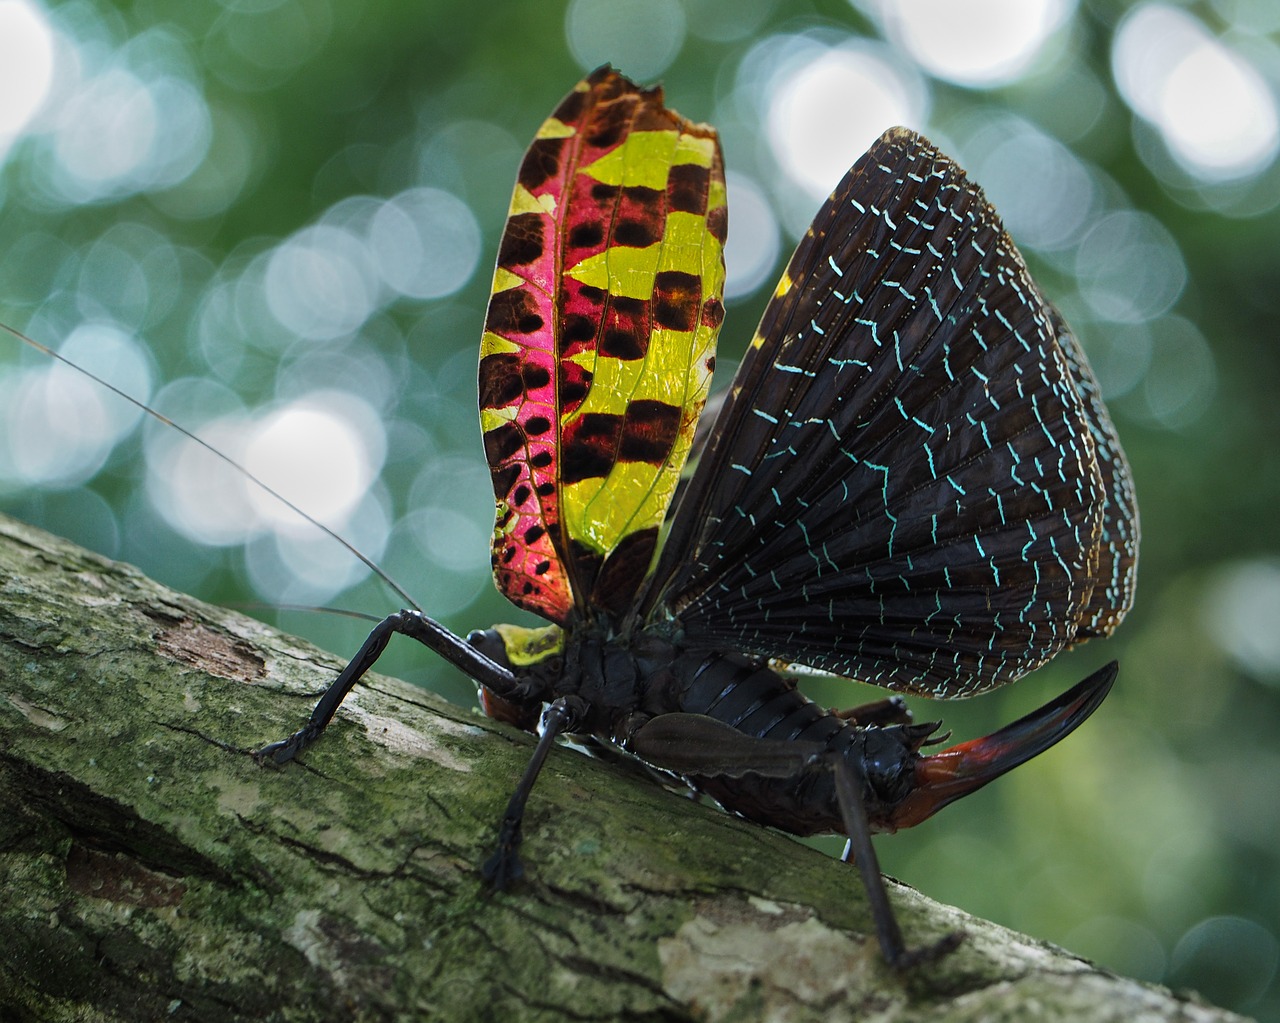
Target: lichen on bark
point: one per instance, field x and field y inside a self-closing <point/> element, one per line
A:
<point x="152" y="869"/>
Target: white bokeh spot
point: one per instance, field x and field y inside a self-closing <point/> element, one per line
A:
<point x="642" y="39"/>
<point x="977" y="42"/>
<point x="26" y="67"/>
<point x="1215" y="112"/>
<point x="826" y="112"/>
<point x="321" y="452"/>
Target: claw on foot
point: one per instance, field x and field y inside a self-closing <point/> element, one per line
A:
<point x="912" y="958"/>
<point x="505" y="866"/>
<point x="286" y="749"/>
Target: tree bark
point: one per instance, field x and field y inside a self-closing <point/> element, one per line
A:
<point x="152" y="870"/>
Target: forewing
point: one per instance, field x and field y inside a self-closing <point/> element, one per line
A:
<point x="599" y="342"/>
<point x="903" y="485"/>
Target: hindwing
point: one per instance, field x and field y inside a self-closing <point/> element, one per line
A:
<point x="1116" y="573"/>
<point x="904" y="485"/>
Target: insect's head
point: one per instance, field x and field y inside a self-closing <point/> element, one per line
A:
<point x="938" y="780"/>
<point x="516" y="647"/>
<point x="521" y="650"/>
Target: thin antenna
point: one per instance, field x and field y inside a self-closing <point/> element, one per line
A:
<point x="365" y="560"/>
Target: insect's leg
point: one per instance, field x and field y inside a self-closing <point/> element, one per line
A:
<point x="853" y="811"/>
<point x="695" y="744"/>
<point x="890" y="711"/>
<point x="504" y="865"/>
<point x="408" y="623"/>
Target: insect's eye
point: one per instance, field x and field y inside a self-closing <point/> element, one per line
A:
<point x="489" y="643"/>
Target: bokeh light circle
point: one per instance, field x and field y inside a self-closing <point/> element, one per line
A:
<point x="1242" y="607"/>
<point x="57" y="426"/>
<point x="824" y="113"/>
<point x="425" y="243"/>
<point x="1216" y="113"/>
<point x="321" y="452"/>
<point x="1181" y="381"/>
<point x="307" y="567"/>
<point x="26" y="66"/>
<point x="1044" y="193"/>
<point x="1232" y="959"/>
<point x="321" y="283"/>
<point x="754" y="239"/>
<point x="640" y="39"/>
<point x="978" y="42"/>
<point x="1129" y="267"/>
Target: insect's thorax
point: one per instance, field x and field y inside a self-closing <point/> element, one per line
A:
<point x="619" y="680"/>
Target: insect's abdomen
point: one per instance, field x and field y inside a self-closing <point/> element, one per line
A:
<point x="759" y="702"/>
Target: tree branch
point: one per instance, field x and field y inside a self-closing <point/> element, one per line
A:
<point x="152" y="870"/>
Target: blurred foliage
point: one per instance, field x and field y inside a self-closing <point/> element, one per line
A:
<point x="1148" y="840"/>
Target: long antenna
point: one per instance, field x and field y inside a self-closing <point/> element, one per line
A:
<point x="364" y="559"/>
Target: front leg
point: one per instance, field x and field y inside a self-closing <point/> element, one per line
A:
<point x="504" y="866"/>
<point x="426" y="631"/>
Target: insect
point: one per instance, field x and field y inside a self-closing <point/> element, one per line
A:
<point x="912" y="482"/>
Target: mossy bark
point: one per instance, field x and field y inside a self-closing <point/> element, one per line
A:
<point x="151" y="869"/>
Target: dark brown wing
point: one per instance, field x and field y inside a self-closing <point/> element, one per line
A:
<point x="903" y="486"/>
<point x="1116" y="574"/>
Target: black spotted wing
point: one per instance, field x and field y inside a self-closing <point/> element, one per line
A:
<point x="903" y="486"/>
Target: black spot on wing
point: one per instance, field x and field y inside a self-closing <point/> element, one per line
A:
<point x="687" y="187"/>
<point x="522" y="240"/>
<point x="541" y="163"/>
<point x="677" y="299"/>
<point x="586" y="236"/>
<point x="634" y="234"/>
<point x="501" y="381"/>
<point x="596" y="441"/>
<point x="504" y="478"/>
<point x="589" y="446"/>
<point x="650" y="431"/>
<point x="575" y="329"/>
<point x="513" y="311"/>
<point x="500" y="444"/>
<point x="623" y="344"/>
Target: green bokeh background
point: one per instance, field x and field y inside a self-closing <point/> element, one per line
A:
<point x="1149" y="841"/>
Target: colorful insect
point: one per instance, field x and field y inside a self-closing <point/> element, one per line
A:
<point x="912" y="482"/>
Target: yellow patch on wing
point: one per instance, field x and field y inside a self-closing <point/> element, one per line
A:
<point x="644" y="159"/>
<point x="496" y="344"/>
<point x="504" y="279"/>
<point x="629" y="272"/>
<point x="554" y="128"/>
<point x="524" y="201"/>
<point x="490" y="418"/>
